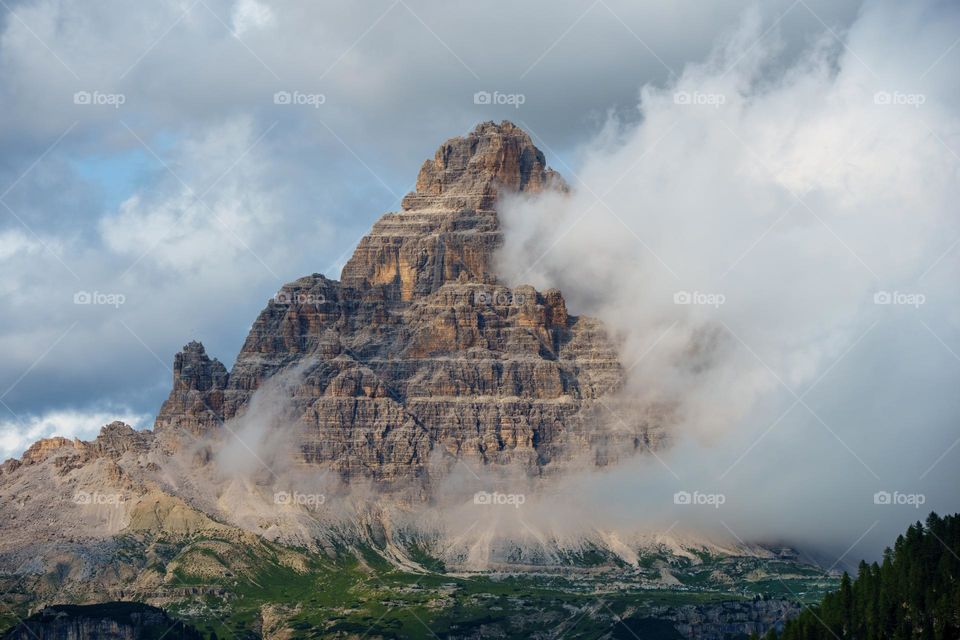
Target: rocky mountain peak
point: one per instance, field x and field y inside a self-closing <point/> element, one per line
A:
<point x="419" y="348"/>
<point x="43" y="448"/>
<point x="193" y="369"/>
<point x="198" y="384"/>
<point x="117" y="438"/>
<point x="448" y="228"/>
<point x="467" y="172"/>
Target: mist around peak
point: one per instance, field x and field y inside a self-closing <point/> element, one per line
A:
<point x="772" y="243"/>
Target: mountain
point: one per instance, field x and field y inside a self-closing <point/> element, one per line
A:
<point x="418" y="364"/>
<point x="376" y="433"/>
<point x="420" y="348"/>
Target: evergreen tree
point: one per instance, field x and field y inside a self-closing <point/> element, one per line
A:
<point x="914" y="594"/>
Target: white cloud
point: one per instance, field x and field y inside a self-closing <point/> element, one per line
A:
<point x="797" y="196"/>
<point x="14" y="242"/>
<point x="225" y="210"/>
<point x="194" y="256"/>
<point x="249" y="15"/>
<point x="390" y="75"/>
<point x="17" y="434"/>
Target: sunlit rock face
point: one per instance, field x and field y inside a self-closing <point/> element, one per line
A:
<point x="449" y="225"/>
<point x="419" y="353"/>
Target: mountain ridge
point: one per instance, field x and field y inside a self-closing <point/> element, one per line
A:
<point x="419" y="366"/>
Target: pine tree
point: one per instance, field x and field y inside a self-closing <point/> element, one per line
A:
<point x="914" y="594"/>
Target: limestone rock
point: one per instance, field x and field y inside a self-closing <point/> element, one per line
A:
<point x="449" y="225"/>
<point x="198" y="384"/>
<point x="420" y="349"/>
<point x="117" y="438"/>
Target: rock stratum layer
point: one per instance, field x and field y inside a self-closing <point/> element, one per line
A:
<point x="419" y="348"/>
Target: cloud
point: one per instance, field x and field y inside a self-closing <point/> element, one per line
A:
<point x="89" y="190"/>
<point x="17" y="434"/>
<point x="212" y="225"/>
<point x="194" y="253"/>
<point x="773" y="246"/>
<point x="248" y="15"/>
<point x="415" y="64"/>
<point x="14" y="242"/>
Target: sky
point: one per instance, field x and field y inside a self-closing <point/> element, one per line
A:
<point x="773" y="242"/>
<point x="143" y="157"/>
<point x="166" y="167"/>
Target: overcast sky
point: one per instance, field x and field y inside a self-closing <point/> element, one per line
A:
<point x="143" y="156"/>
<point x="804" y="209"/>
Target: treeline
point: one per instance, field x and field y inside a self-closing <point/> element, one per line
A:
<point x="914" y="594"/>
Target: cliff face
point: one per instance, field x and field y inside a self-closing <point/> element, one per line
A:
<point x="114" y="440"/>
<point x="196" y="399"/>
<point x="419" y="348"/>
<point x="449" y="225"/>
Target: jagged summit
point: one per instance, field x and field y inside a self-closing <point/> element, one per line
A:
<point x="449" y="225"/>
<point x="467" y="172"/>
<point x="198" y="385"/>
